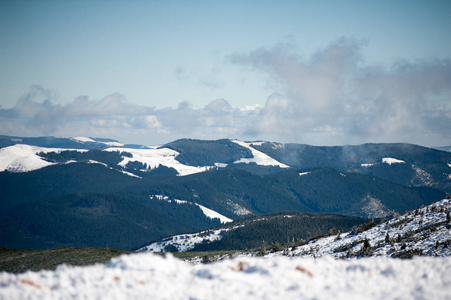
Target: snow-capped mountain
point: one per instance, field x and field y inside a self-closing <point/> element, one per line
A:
<point x="227" y="179"/>
<point x="24" y="158"/>
<point x="401" y="163"/>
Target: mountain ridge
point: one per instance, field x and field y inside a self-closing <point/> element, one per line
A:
<point x="231" y="178"/>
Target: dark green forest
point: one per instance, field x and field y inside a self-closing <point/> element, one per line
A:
<point x="76" y="202"/>
<point x="263" y="230"/>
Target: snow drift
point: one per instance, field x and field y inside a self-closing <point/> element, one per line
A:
<point x="149" y="276"/>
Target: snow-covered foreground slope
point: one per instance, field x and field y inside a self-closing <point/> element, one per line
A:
<point x="425" y="231"/>
<point x="149" y="276"/>
<point x="311" y="271"/>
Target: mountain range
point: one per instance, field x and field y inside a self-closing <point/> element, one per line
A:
<point x="99" y="192"/>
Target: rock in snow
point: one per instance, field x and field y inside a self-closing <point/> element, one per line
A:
<point x="150" y="276"/>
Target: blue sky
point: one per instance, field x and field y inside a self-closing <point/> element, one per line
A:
<point x="318" y="72"/>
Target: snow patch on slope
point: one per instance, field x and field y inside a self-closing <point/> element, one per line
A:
<point x="184" y="242"/>
<point x="373" y="207"/>
<point x="422" y="178"/>
<point x="238" y="209"/>
<point x="97" y="162"/>
<point x="83" y="139"/>
<point x="153" y="158"/>
<point x="366" y="165"/>
<point x="23" y="158"/>
<point x="389" y="160"/>
<point x="207" y="212"/>
<point x="113" y="144"/>
<point x="213" y="214"/>
<point x="258" y="157"/>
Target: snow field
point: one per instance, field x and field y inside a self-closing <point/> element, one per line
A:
<point x="24" y="158"/>
<point x="258" y="157"/>
<point x="366" y="165"/>
<point x="389" y="160"/>
<point x="184" y="242"/>
<point x="149" y="276"/>
<point x="207" y="211"/>
<point x="213" y="214"/>
<point x="156" y="157"/>
<point x="82" y="139"/>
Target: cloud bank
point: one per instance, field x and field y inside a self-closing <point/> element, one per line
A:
<point x="329" y="98"/>
<point x="114" y="117"/>
<point x="333" y="98"/>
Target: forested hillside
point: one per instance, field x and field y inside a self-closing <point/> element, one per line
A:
<point x="258" y="231"/>
<point x="137" y="194"/>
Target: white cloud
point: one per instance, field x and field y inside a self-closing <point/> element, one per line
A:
<point x="330" y="98"/>
<point x="333" y="98"/>
<point x="114" y="117"/>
